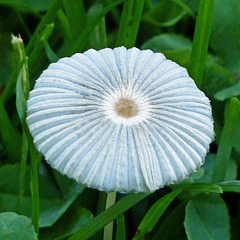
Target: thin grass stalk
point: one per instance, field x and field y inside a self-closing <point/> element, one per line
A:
<point x="22" y="91"/>
<point x="201" y="40"/>
<point x="129" y="23"/>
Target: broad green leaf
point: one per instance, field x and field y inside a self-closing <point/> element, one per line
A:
<point x="52" y="203"/>
<point x="14" y="226"/>
<point x="225" y="35"/>
<point x="156" y="211"/>
<point x="232" y="91"/>
<point x="207" y="218"/>
<point x="167" y="41"/>
<point x="216" y="78"/>
<point x="76" y="217"/>
<point x="175" y="47"/>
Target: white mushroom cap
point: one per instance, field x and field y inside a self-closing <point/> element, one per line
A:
<point x="120" y="120"/>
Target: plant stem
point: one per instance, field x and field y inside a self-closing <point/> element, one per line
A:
<point x="108" y="229"/>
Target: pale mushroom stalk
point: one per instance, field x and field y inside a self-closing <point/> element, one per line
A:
<point x="108" y="229"/>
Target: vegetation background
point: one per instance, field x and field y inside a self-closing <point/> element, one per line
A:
<point x="36" y="202"/>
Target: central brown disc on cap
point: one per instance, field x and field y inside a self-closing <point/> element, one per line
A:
<point x="126" y="108"/>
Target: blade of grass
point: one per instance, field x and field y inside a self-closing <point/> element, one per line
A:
<point x="47" y="19"/>
<point x="153" y="215"/>
<point x="98" y="38"/>
<point x="121" y="229"/>
<point x="158" y="208"/>
<point x="230" y="186"/>
<point x="22" y="91"/>
<point x="231" y="119"/>
<point x="40" y="43"/>
<point x="129" y="23"/>
<point x="114" y="12"/>
<point x="65" y="25"/>
<point x="52" y="56"/>
<point x="81" y="42"/>
<point x="77" y="16"/>
<point x="97" y="223"/>
<point x="24" y="155"/>
<point x="201" y="40"/>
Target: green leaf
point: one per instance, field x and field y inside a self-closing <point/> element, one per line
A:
<point x="167" y="41"/>
<point x="158" y="15"/>
<point x="98" y="38"/>
<point x="171" y="227"/>
<point x="28" y="5"/>
<point x="76" y="217"/>
<point x="153" y="215"/>
<point x="232" y="114"/>
<point x="230" y="186"/>
<point x="81" y="42"/>
<point x="14" y="226"/>
<point x="232" y="91"/>
<point x="48" y="18"/>
<point x="236" y="143"/>
<point x="77" y="17"/>
<point x="208" y="168"/>
<point x="121" y="229"/>
<point x="201" y="40"/>
<point x="52" y="204"/>
<point x="156" y="211"/>
<point x="216" y="78"/>
<point x="175" y="47"/>
<point x="207" y="218"/>
<point x="96" y="224"/>
<point x="40" y="44"/>
<point x="129" y="23"/>
<point x="225" y="35"/>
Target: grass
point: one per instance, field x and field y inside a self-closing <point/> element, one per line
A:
<point x="185" y="31"/>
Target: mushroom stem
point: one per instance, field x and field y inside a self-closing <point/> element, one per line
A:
<point x="108" y="229"/>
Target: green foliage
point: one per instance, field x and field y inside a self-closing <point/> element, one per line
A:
<point x="207" y="218"/>
<point x="14" y="226"/>
<point x="58" y="207"/>
<point x="225" y="34"/>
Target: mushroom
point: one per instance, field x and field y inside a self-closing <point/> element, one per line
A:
<point x="120" y="119"/>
